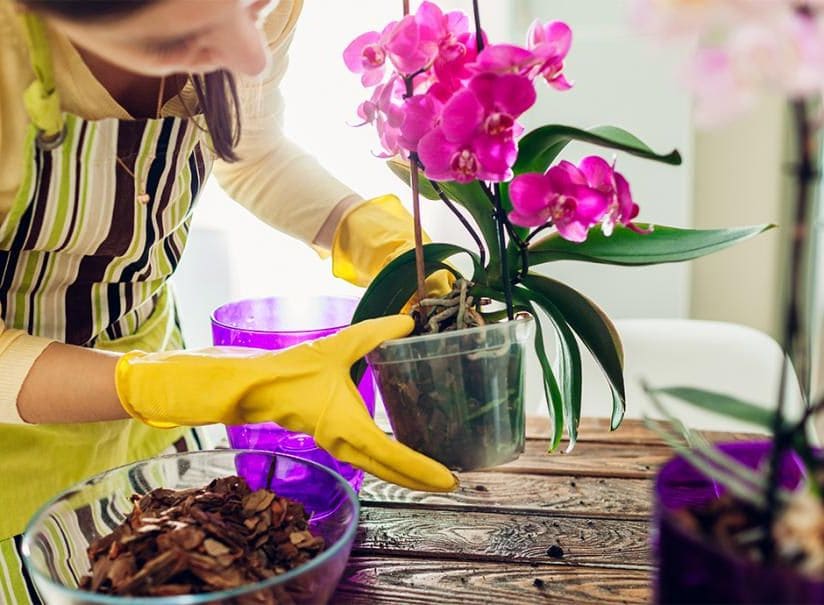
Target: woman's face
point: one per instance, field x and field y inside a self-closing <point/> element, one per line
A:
<point x="177" y="36"/>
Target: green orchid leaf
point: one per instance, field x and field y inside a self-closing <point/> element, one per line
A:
<point x="594" y="329"/>
<point x="722" y="404"/>
<point x="552" y="390"/>
<point x="392" y="288"/>
<point x="470" y="196"/>
<point x="569" y="362"/>
<point x="539" y="148"/>
<point x="628" y="248"/>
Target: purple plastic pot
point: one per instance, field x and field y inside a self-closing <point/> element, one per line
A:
<point x="277" y="323"/>
<point x="693" y="570"/>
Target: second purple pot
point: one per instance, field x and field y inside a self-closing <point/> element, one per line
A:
<point x="692" y="570"/>
<point x="277" y="323"/>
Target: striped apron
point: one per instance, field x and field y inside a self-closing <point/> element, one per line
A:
<point x="84" y="262"/>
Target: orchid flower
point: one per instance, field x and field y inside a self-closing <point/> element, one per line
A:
<point x="383" y="109"/>
<point x="366" y="55"/>
<point x="561" y="195"/>
<point x="475" y="136"/>
<point x="550" y="44"/>
<point x="620" y="209"/>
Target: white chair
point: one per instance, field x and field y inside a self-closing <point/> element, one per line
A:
<point x="725" y="357"/>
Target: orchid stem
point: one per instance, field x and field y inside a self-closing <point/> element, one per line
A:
<point x="794" y="344"/>
<point x="500" y="221"/>
<point x="543" y="227"/>
<point x="420" y="270"/>
<point x="420" y="273"/>
<point x="479" y="37"/>
<point x="445" y="199"/>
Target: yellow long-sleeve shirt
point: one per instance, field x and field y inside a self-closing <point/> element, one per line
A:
<point x="271" y="168"/>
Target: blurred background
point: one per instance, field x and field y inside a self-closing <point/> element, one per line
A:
<point x="729" y="177"/>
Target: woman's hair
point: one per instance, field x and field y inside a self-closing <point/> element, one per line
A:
<point x="216" y="91"/>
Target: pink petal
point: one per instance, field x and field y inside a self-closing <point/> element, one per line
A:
<point x="461" y="116"/>
<point x="429" y="15"/>
<point x="503" y="58"/>
<point x="496" y="156"/>
<point x="371" y="77"/>
<point x="564" y="175"/>
<point x="457" y="22"/>
<point x="435" y="152"/>
<point x="558" y="37"/>
<point x="627" y="207"/>
<point x="590" y="205"/>
<point x="404" y="46"/>
<point x="572" y="230"/>
<point x="530" y="193"/>
<point x="514" y="94"/>
<point x="528" y="220"/>
<point x="352" y="54"/>
<point x="559" y="82"/>
<point x="598" y="172"/>
<point x="421" y="114"/>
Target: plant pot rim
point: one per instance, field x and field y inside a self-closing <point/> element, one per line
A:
<point x="491" y="327"/>
<point x="525" y="317"/>
<point x="520" y="328"/>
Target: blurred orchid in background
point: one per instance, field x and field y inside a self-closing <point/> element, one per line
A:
<point x="744" y="48"/>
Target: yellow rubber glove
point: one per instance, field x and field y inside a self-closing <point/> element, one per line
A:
<point x="371" y="235"/>
<point x="305" y="388"/>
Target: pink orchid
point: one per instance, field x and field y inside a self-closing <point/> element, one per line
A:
<point x="421" y="114"/>
<point x="366" y="55"/>
<point x="411" y="47"/>
<point x="505" y="59"/>
<point x="482" y="157"/>
<point x="561" y="195"/>
<point x="475" y="135"/>
<point x="452" y="69"/>
<point x="503" y="98"/>
<point x="604" y="178"/>
<point x="550" y="44"/>
<point x="383" y="109"/>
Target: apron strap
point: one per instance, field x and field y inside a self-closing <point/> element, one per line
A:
<point x="40" y="98"/>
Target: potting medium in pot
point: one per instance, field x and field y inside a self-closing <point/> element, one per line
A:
<point x="458" y="396"/>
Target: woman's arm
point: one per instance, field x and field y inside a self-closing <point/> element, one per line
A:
<point x="68" y="383"/>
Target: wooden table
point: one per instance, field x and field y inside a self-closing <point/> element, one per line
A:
<point x="544" y="528"/>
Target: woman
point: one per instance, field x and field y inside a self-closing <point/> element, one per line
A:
<point x="112" y="115"/>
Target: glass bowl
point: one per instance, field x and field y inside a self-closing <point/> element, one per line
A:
<point x="55" y="541"/>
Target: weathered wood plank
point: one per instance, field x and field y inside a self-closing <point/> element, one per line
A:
<point x="502" y="537"/>
<point x="589" y="459"/>
<point x="402" y="581"/>
<point x="595" y="496"/>
<point x="631" y="431"/>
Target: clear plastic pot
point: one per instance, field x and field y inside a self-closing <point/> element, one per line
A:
<point x="458" y="397"/>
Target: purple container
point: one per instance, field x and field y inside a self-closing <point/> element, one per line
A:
<point x="693" y="570"/>
<point x="276" y="323"/>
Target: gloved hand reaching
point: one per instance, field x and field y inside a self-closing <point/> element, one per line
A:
<point x="371" y="235"/>
<point x="305" y="388"/>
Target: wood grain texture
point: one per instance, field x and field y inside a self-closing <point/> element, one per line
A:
<point x="592" y="459"/>
<point x="563" y="494"/>
<point x="630" y="432"/>
<point x="488" y="541"/>
<point x="502" y="537"/>
<point x="402" y="581"/>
